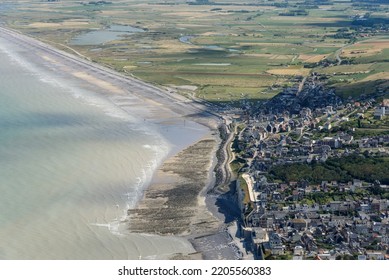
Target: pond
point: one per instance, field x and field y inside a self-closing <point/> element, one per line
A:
<point x="186" y="39"/>
<point x="101" y="36"/>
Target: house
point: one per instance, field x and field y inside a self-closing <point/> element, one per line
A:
<point x="379" y="113"/>
<point x="361" y="229"/>
<point x="385" y="240"/>
<point x="295" y="195"/>
<point x="259" y="235"/>
<point x="375" y="256"/>
<point x="375" y="205"/>
<point x="333" y="142"/>
<point x="299" y="130"/>
<point x="324" y="256"/>
<point x="298" y="250"/>
<point x="275" y="244"/>
<point x="346" y="138"/>
<point x="329" y="110"/>
<point x="327" y="126"/>
<point x="276" y="196"/>
<point x="337" y="221"/>
<point x="357" y="183"/>
<point x="365" y="207"/>
<point x="376" y="226"/>
<point x="335" y="205"/>
<point x="299" y="224"/>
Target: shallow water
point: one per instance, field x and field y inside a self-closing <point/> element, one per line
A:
<point x="97" y="37"/>
<point x="71" y="164"/>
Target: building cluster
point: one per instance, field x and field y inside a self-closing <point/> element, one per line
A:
<point x="331" y="220"/>
<point x="310" y="93"/>
<point x="382" y="111"/>
<point x="306" y="136"/>
<point x="281" y="223"/>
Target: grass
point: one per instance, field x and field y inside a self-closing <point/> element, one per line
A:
<point x="244" y="187"/>
<point x="346" y="69"/>
<point x="370" y="132"/>
<point x="224" y="93"/>
<point x="233" y="48"/>
<point x="355" y="89"/>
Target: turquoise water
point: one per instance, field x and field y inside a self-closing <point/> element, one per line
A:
<point x="71" y="164"/>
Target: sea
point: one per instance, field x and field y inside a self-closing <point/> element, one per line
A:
<point x="71" y="164"/>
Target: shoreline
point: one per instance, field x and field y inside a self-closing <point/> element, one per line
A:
<point x="174" y="197"/>
<point x="162" y="109"/>
<point x="179" y="198"/>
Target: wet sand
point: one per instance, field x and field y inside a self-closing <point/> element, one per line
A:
<point x="175" y="202"/>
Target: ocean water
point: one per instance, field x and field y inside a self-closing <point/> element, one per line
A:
<point x="71" y="164"/>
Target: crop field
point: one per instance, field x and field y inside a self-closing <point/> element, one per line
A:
<point x="224" y="50"/>
<point x="290" y="71"/>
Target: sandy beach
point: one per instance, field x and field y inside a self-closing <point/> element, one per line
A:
<point x="175" y="202"/>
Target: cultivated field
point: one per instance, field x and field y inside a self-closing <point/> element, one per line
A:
<point x="224" y="51"/>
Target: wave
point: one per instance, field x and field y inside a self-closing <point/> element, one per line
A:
<point x="145" y="178"/>
<point x="49" y="77"/>
<point x="158" y="145"/>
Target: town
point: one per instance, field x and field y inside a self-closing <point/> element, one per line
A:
<point x="312" y="175"/>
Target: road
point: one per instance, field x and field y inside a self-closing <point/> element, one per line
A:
<point x="339" y="52"/>
<point x="301" y="85"/>
<point x="225" y="164"/>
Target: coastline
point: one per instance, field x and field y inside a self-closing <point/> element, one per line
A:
<point x="174" y="197"/>
<point x="165" y="112"/>
<point x="180" y="201"/>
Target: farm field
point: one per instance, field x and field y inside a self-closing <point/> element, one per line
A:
<point x="223" y="50"/>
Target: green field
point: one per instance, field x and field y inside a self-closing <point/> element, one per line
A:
<point x="235" y="49"/>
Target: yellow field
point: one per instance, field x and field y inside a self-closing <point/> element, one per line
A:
<point x="129" y="67"/>
<point x="191" y="15"/>
<point x="271" y="56"/>
<point x="263" y="44"/>
<point x="289" y="71"/>
<point x="254" y="42"/>
<point x="114" y="13"/>
<point x="58" y="24"/>
<point x="366" y="48"/>
<point x="209" y="33"/>
<point x="377" y="76"/>
<point x="312" y="58"/>
<point x="303" y="18"/>
<point x="232" y="81"/>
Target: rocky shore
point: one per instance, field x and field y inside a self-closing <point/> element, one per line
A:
<point x="179" y="201"/>
<point x="173" y="203"/>
<point x="182" y="201"/>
